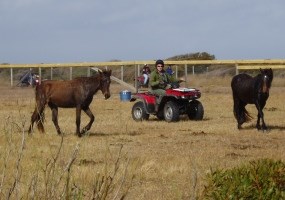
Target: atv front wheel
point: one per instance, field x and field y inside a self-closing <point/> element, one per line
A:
<point x="195" y="110"/>
<point x="138" y="112"/>
<point x="171" y="112"/>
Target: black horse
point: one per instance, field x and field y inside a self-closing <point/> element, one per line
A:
<point x="77" y="93"/>
<point x="251" y="90"/>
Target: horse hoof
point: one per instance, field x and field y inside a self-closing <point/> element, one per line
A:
<point x="265" y="129"/>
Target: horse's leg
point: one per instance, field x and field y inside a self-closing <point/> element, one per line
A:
<point x="264" y="127"/>
<point x="260" y="115"/>
<point x="38" y="117"/>
<point x="243" y="115"/>
<point x="240" y="107"/>
<point x="240" y="116"/>
<point x="54" y="110"/>
<point x="92" y="118"/>
<point x="236" y="110"/>
<point x="258" y="121"/>
<point x="33" y="119"/>
<point x="78" y="120"/>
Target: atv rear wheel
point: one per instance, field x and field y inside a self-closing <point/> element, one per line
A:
<point x="195" y="110"/>
<point x="138" y="112"/>
<point x="171" y="112"/>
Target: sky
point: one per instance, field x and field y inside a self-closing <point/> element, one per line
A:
<point x="63" y="31"/>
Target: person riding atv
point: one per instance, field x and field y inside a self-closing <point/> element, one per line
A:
<point x="160" y="80"/>
<point x="166" y="99"/>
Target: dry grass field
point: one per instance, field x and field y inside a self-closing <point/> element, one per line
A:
<point x="167" y="160"/>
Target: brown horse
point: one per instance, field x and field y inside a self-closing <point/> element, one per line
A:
<point x="77" y="93"/>
<point x="251" y="90"/>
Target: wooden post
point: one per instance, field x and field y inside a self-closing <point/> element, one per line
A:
<point x="139" y="70"/>
<point x="176" y="71"/>
<point x="122" y="73"/>
<point x="193" y="70"/>
<point x="51" y="73"/>
<point x="236" y="69"/>
<point x="186" y="72"/>
<point x="70" y="73"/>
<point x="40" y="75"/>
<point x="88" y="72"/>
<point x="136" y="77"/>
<point x="11" y="74"/>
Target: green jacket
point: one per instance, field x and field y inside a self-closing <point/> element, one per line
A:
<point x="159" y="81"/>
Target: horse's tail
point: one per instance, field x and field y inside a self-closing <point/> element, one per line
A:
<point x="240" y="112"/>
<point x="245" y="114"/>
<point x="38" y="114"/>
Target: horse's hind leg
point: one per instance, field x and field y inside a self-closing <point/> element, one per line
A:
<point x="54" y="110"/>
<point x="78" y="120"/>
<point x="33" y="119"/>
<point x="238" y="107"/>
<point x="92" y="118"/>
<point x="37" y="117"/>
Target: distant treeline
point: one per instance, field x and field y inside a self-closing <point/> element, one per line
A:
<point x="193" y="56"/>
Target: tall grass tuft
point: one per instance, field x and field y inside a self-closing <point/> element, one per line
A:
<point x="56" y="177"/>
<point x="261" y="179"/>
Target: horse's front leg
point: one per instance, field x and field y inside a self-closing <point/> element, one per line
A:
<point x="264" y="127"/>
<point x="92" y="118"/>
<point x="260" y="115"/>
<point x="78" y="120"/>
<point x="258" y="121"/>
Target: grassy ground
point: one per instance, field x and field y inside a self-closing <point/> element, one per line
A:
<point x="169" y="160"/>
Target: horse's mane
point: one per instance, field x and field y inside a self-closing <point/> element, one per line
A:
<point x="87" y="77"/>
<point x="95" y="76"/>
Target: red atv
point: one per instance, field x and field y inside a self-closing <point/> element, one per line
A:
<point x="176" y="102"/>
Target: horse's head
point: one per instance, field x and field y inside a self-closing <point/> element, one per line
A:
<point x="267" y="77"/>
<point x="105" y="80"/>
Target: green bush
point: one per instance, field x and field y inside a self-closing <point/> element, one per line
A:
<point x="261" y="179"/>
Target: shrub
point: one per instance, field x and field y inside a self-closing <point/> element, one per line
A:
<point x="261" y="179"/>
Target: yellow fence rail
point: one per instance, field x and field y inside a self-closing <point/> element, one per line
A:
<point x="239" y="65"/>
<point x="242" y="64"/>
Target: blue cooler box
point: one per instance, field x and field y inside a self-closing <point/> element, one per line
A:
<point x="125" y="95"/>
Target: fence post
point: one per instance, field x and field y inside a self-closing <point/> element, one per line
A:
<point x="122" y="73"/>
<point x="186" y="72"/>
<point x="88" y="72"/>
<point x="236" y="69"/>
<point x="11" y="74"/>
<point x="136" y="77"/>
<point x="70" y="73"/>
<point x="51" y="73"/>
<point x="176" y="71"/>
<point x="40" y="75"/>
<point x="139" y="70"/>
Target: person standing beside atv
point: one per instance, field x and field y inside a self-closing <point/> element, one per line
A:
<point x="159" y="79"/>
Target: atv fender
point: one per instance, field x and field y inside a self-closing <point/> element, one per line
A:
<point x="148" y="102"/>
